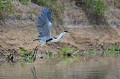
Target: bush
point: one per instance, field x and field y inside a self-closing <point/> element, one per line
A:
<point x="6" y="6"/>
<point x="92" y="6"/>
<point x="96" y="6"/>
<point x="113" y="51"/>
<point x="27" y="55"/>
<point x="24" y="1"/>
<point x="94" y="10"/>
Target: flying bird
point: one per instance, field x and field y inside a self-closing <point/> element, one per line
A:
<point x="44" y="26"/>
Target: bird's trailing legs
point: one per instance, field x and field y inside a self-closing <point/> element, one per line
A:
<point x="36" y="39"/>
<point x="34" y="54"/>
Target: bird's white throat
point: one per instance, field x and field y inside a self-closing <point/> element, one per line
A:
<point x="59" y="37"/>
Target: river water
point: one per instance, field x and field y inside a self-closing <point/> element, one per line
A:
<point x="100" y="68"/>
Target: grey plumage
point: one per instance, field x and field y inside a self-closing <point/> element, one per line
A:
<point x="44" y="26"/>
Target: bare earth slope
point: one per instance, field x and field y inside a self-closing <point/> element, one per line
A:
<point x="21" y="33"/>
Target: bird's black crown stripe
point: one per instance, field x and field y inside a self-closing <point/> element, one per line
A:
<point x="65" y="31"/>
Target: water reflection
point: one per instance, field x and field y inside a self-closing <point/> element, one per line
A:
<point x="33" y="70"/>
<point x="103" y="68"/>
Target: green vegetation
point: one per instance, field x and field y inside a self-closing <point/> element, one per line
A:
<point x="6" y="7"/>
<point x="95" y="6"/>
<point x="27" y="55"/>
<point x="91" y="53"/>
<point x="94" y="10"/>
<point x="50" y="55"/>
<point x="25" y="1"/>
<point x="67" y="54"/>
<point x="17" y="15"/>
<point x="24" y="52"/>
<point x="65" y="51"/>
<point x="92" y="6"/>
<point x="113" y="51"/>
<point x="75" y="53"/>
<point x="9" y="57"/>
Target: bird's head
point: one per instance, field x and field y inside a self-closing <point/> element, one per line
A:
<point x="66" y="31"/>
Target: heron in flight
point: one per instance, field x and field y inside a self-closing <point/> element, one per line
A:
<point x="44" y="26"/>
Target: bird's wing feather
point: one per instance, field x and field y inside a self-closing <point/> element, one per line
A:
<point x="50" y="15"/>
<point x="43" y="26"/>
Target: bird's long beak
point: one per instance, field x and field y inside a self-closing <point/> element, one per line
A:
<point x="68" y="32"/>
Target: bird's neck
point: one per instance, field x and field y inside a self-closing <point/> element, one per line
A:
<point x="59" y="37"/>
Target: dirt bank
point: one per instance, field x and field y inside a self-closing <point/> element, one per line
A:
<point x="16" y="33"/>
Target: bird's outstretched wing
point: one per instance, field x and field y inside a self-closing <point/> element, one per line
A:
<point x="44" y="24"/>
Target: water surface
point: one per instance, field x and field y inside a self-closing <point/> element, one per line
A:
<point x="102" y="68"/>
